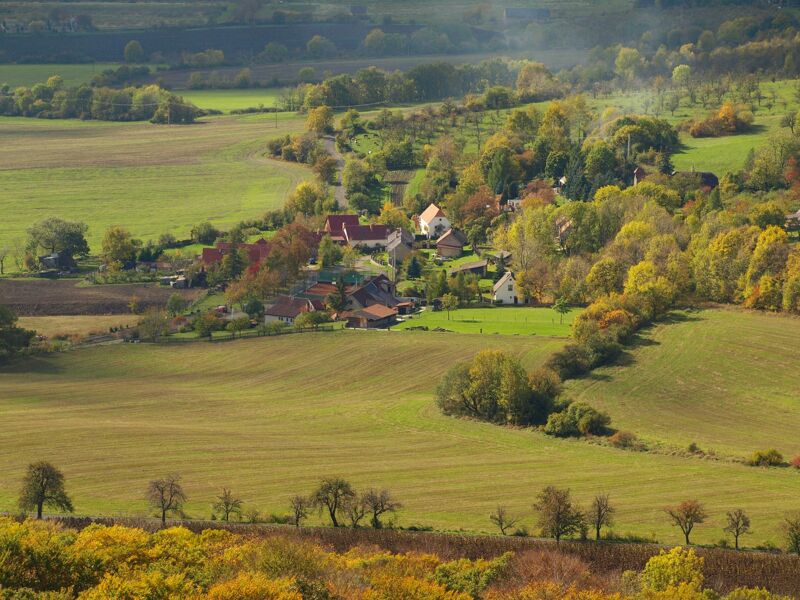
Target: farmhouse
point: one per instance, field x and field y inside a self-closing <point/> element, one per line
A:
<point x="287" y="308"/>
<point x="256" y="253"/>
<point x="377" y="290"/>
<point x="451" y="244"/>
<point x="372" y="317"/>
<point x="432" y="222"/>
<point x="505" y="290"/>
<point x="366" y="236"/>
<point x="335" y="224"/>
<point x="399" y="246"/>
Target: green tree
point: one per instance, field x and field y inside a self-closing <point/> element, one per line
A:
<point x="320" y="47"/>
<point x="227" y="504"/>
<point x="561" y="306"/>
<point x="557" y="515"/>
<point x="414" y="269"/>
<point x="44" y="486"/>
<point x="329" y="252"/>
<point x="119" y="246"/>
<point x="337" y="300"/>
<point x="737" y="524"/>
<point x="312" y="319"/>
<point x="238" y="325"/>
<point x="449" y="302"/>
<point x="57" y="235"/>
<point x="133" y="53"/>
<point x="791" y="530"/>
<point x="13" y="339"/>
<point x="153" y="325"/>
<point x="204" y="233"/>
<point x="176" y="304"/>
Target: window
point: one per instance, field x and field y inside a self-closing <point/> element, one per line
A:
<point x="510" y="287"/>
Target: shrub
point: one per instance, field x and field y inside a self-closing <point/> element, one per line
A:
<point x="795" y="462"/>
<point x="471" y="576"/>
<point x="673" y="569"/>
<point x="572" y="361"/>
<point x="766" y="458"/>
<point x="626" y="440"/>
<point x="578" y="419"/>
<point x="254" y="586"/>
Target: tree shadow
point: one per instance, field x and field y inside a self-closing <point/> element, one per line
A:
<point x="46" y="365"/>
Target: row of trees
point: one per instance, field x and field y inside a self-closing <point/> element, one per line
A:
<point x="558" y="515"/>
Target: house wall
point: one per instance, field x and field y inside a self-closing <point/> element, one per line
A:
<point x="287" y="320"/>
<point x="438" y="226"/>
<point x="449" y="251"/>
<point x="506" y="296"/>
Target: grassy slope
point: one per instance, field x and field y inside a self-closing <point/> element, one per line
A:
<point x="507" y="321"/>
<point x="723" y="379"/>
<point x="28" y="75"/>
<point x="268" y="417"/>
<point x="151" y="179"/>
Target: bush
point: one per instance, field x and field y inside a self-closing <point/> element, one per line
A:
<point x="578" y="419"/>
<point x="572" y="361"/>
<point x="795" y="462"/>
<point x="626" y="441"/>
<point x="766" y="458"/>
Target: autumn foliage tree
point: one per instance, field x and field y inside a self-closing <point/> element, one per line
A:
<point x="686" y="515"/>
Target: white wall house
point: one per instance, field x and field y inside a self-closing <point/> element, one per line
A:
<point x="505" y="290"/>
<point x="432" y="222"/>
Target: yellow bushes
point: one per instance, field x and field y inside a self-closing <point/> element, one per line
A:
<point x="254" y="586"/>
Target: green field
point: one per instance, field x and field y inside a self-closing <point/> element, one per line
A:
<point x="28" y="75"/>
<point x="228" y="100"/>
<point x="268" y="417"/>
<point x="722" y="379"/>
<point x="150" y="179"/>
<point x="499" y="320"/>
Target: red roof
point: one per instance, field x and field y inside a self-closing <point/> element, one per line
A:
<point x="256" y="253"/>
<point x="360" y="233"/>
<point x="335" y="224"/>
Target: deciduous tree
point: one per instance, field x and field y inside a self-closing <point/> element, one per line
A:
<point x="737" y="524"/>
<point x="558" y="516"/>
<point x="686" y="515"/>
<point x="44" y="486"/>
<point x="166" y="495"/>
<point x="227" y="504"/>
<point x="332" y="495"/>
<point x="601" y="513"/>
<point x="503" y="519"/>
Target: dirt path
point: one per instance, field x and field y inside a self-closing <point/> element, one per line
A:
<point x="338" y="189"/>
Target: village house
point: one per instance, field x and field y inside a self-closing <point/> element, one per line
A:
<point x="372" y="237"/>
<point x="399" y="245"/>
<point x="335" y="224"/>
<point x="376" y="316"/>
<point x="475" y="267"/>
<point x="432" y="222"/>
<point x="256" y="253"/>
<point x="286" y="309"/>
<point x="376" y="290"/>
<point x="451" y="244"/>
<point x="505" y="290"/>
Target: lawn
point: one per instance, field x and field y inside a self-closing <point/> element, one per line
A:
<point x="724" y="379"/>
<point x="28" y="75"/>
<point x="268" y="417"/>
<point x="150" y="179"/>
<point x="76" y="324"/>
<point x="496" y="320"/>
<point x="228" y="100"/>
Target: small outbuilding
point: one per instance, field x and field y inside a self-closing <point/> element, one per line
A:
<point x="505" y="290"/>
<point x="451" y="244"/>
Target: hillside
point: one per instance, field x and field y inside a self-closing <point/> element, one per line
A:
<point x="269" y="417"/>
<point x="723" y="379"/>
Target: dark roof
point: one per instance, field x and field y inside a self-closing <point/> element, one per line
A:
<point x="377" y="290"/>
<point x="452" y="237"/>
<point x="471" y="266"/>
<point x="255" y="252"/>
<point x="335" y="224"/>
<point x="291" y="307"/>
<point x="360" y="233"/>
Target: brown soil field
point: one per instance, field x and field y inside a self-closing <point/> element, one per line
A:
<point x="38" y="297"/>
<point x="399" y="182"/>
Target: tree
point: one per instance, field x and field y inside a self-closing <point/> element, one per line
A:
<point x="601" y="513"/>
<point x="166" y="495"/>
<point x="414" y="269"/>
<point x="204" y="233"/>
<point x="119" y="246"/>
<point x="56" y="235"/>
<point x="176" y="304"/>
<point x="789" y="120"/>
<point x="337" y="300"/>
<point x="301" y="507"/>
<point x="332" y="495"/>
<point x="44" y="486"/>
<point x="686" y="515"/>
<point x="312" y="319"/>
<point x="12" y="338"/>
<point x="503" y="520"/>
<point x="377" y="504"/>
<point x="320" y="47"/>
<point x="329" y="252"/>
<point x="356" y="509"/>
<point x="449" y="302"/>
<point x="791" y="530"/>
<point x="320" y="120"/>
<point x="557" y="515"/>
<point x="238" y="325"/>
<point x="133" y="53"/>
<point x="227" y="504"/>
<point x="153" y="325"/>
<point x="561" y="306"/>
<point x="738" y="524"/>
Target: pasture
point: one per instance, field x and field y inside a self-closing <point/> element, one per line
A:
<point x="73" y="75"/>
<point x="151" y="179"/>
<point x="76" y="324"/>
<point x="723" y="379"/>
<point x="268" y="417"/>
<point x="496" y="320"/>
<point x="228" y="100"/>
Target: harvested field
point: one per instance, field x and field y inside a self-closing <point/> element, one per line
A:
<point x="40" y="297"/>
<point x="76" y="325"/>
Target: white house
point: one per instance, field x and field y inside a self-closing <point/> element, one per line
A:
<point x="505" y="290"/>
<point x="432" y="222"/>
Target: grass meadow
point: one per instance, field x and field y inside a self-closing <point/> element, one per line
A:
<point x="268" y="417"/>
<point x="68" y="325"/>
<point x="150" y="179"/>
<point x="724" y="379"/>
<point x="228" y="100"/>
<point x="496" y="320"/>
<point x="28" y="75"/>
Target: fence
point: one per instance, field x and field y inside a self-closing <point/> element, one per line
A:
<point x="253" y="333"/>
